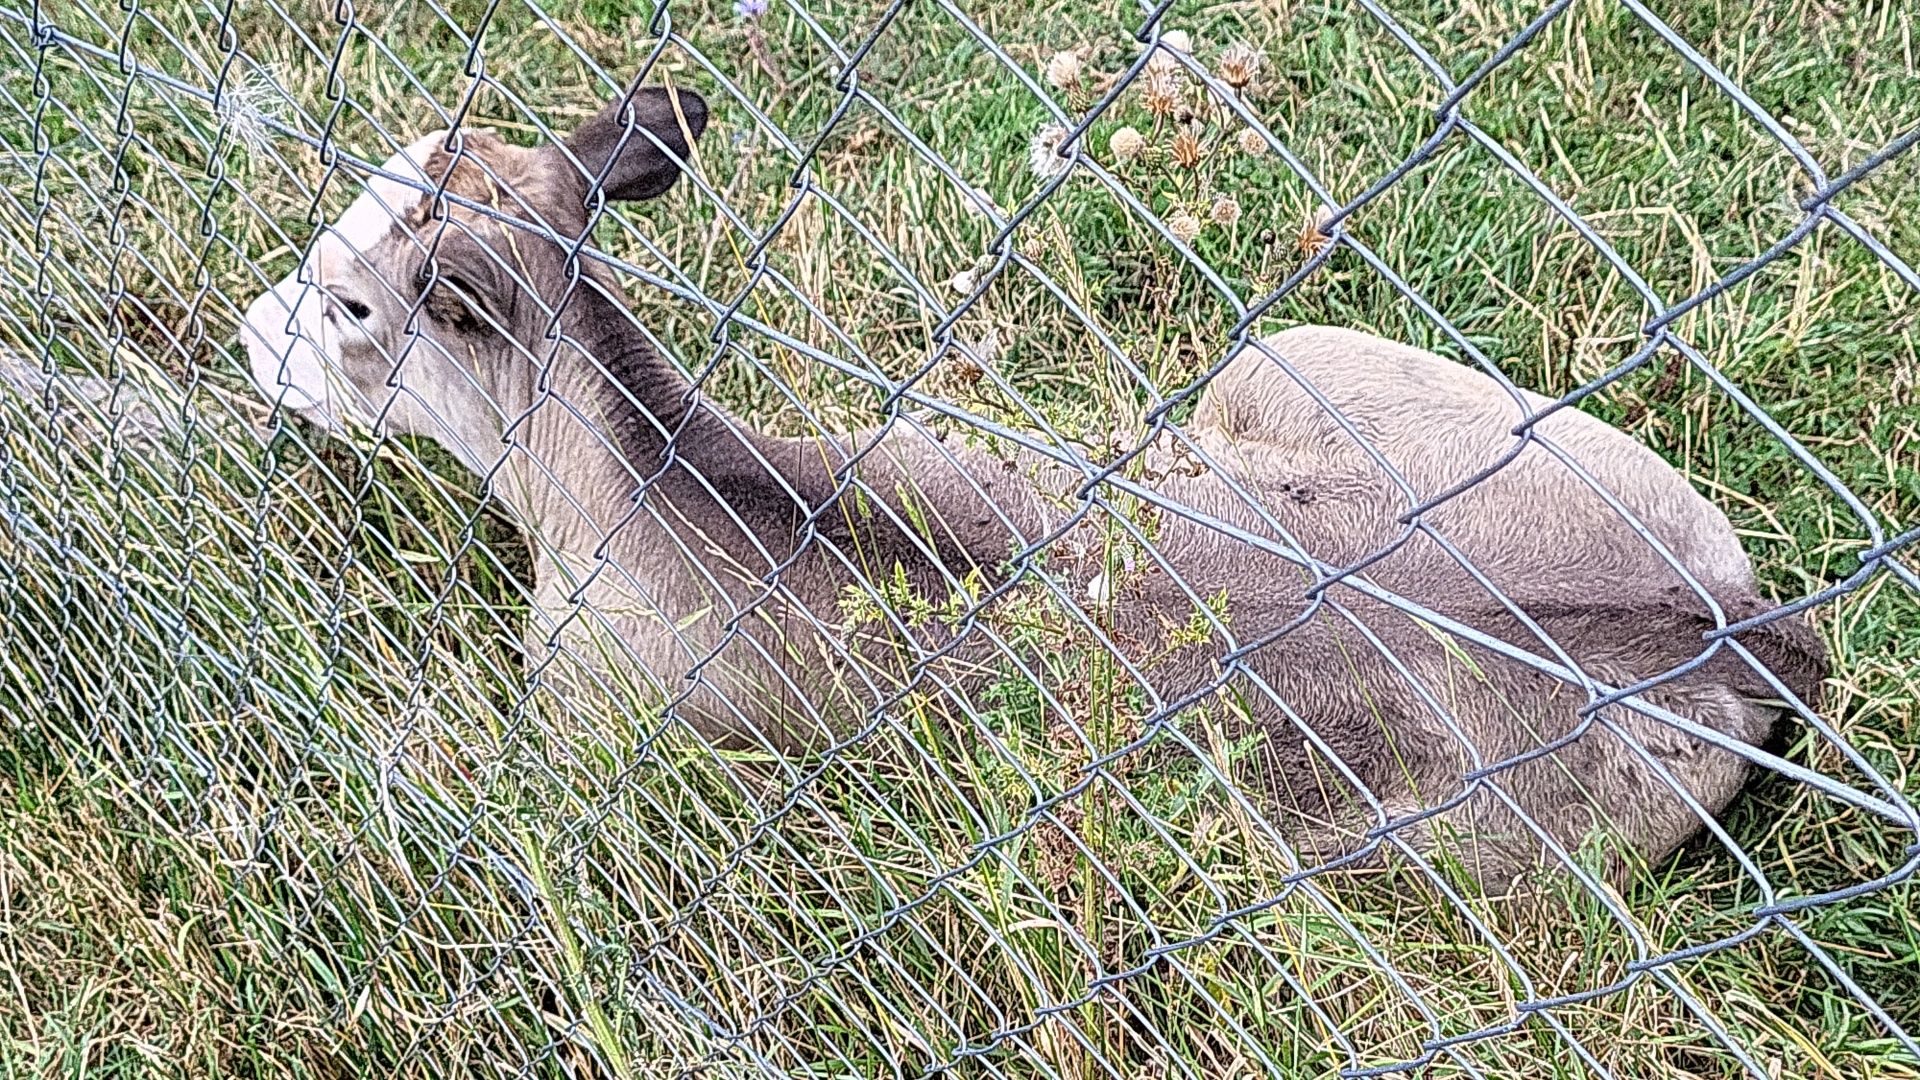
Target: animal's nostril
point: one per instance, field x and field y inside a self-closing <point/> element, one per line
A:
<point x="357" y="309"/>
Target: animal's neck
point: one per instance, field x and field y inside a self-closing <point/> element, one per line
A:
<point x="617" y="419"/>
<point x="626" y="421"/>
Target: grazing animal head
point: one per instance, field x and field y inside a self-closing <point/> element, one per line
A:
<point x="422" y="316"/>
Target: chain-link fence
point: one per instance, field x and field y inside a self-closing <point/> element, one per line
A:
<point x="925" y="616"/>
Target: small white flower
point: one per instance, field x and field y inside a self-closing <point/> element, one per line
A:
<point x="1100" y="589"/>
<point x="977" y="202"/>
<point x="1177" y="40"/>
<point x="1063" y="70"/>
<point x="964" y="281"/>
<point x="987" y="349"/>
<point x="1043" y="156"/>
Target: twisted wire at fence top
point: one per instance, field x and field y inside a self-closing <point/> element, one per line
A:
<point x="904" y="402"/>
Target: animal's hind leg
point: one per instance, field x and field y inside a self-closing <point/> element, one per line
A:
<point x="1262" y="394"/>
<point x="1280" y="415"/>
<point x="1242" y="401"/>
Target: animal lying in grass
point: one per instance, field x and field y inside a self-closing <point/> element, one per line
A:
<point x="544" y="381"/>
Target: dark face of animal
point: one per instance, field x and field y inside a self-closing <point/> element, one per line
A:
<point x="427" y="317"/>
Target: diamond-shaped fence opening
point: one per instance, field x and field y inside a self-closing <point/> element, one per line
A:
<point x="914" y="608"/>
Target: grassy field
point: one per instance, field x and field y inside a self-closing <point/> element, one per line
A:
<point x="273" y="802"/>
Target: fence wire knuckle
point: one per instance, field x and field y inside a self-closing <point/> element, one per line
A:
<point x="456" y="780"/>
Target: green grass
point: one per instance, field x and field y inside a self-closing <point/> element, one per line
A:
<point x="271" y="802"/>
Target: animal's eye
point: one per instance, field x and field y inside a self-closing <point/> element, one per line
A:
<point x="460" y="287"/>
<point x="453" y="301"/>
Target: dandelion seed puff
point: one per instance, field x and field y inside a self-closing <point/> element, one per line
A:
<point x="1239" y="65"/>
<point x="1126" y="143"/>
<point x="1184" y="226"/>
<point x="1160" y="97"/>
<point x="1312" y="240"/>
<point x="248" y="108"/>
<point x="1063" y="70"/>
<point x="1186" y="150"/>
<point x="1251" y="144"/>
<point x="966" y="368"/>
<point x="1043" y="156"/>
<point x="1225" y="211"/>
<point x="1163" y="62"/>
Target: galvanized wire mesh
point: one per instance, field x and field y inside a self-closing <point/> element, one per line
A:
<point x="299" y="661"/>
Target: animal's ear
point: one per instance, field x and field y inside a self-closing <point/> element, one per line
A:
<point x="614" y="146"/>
